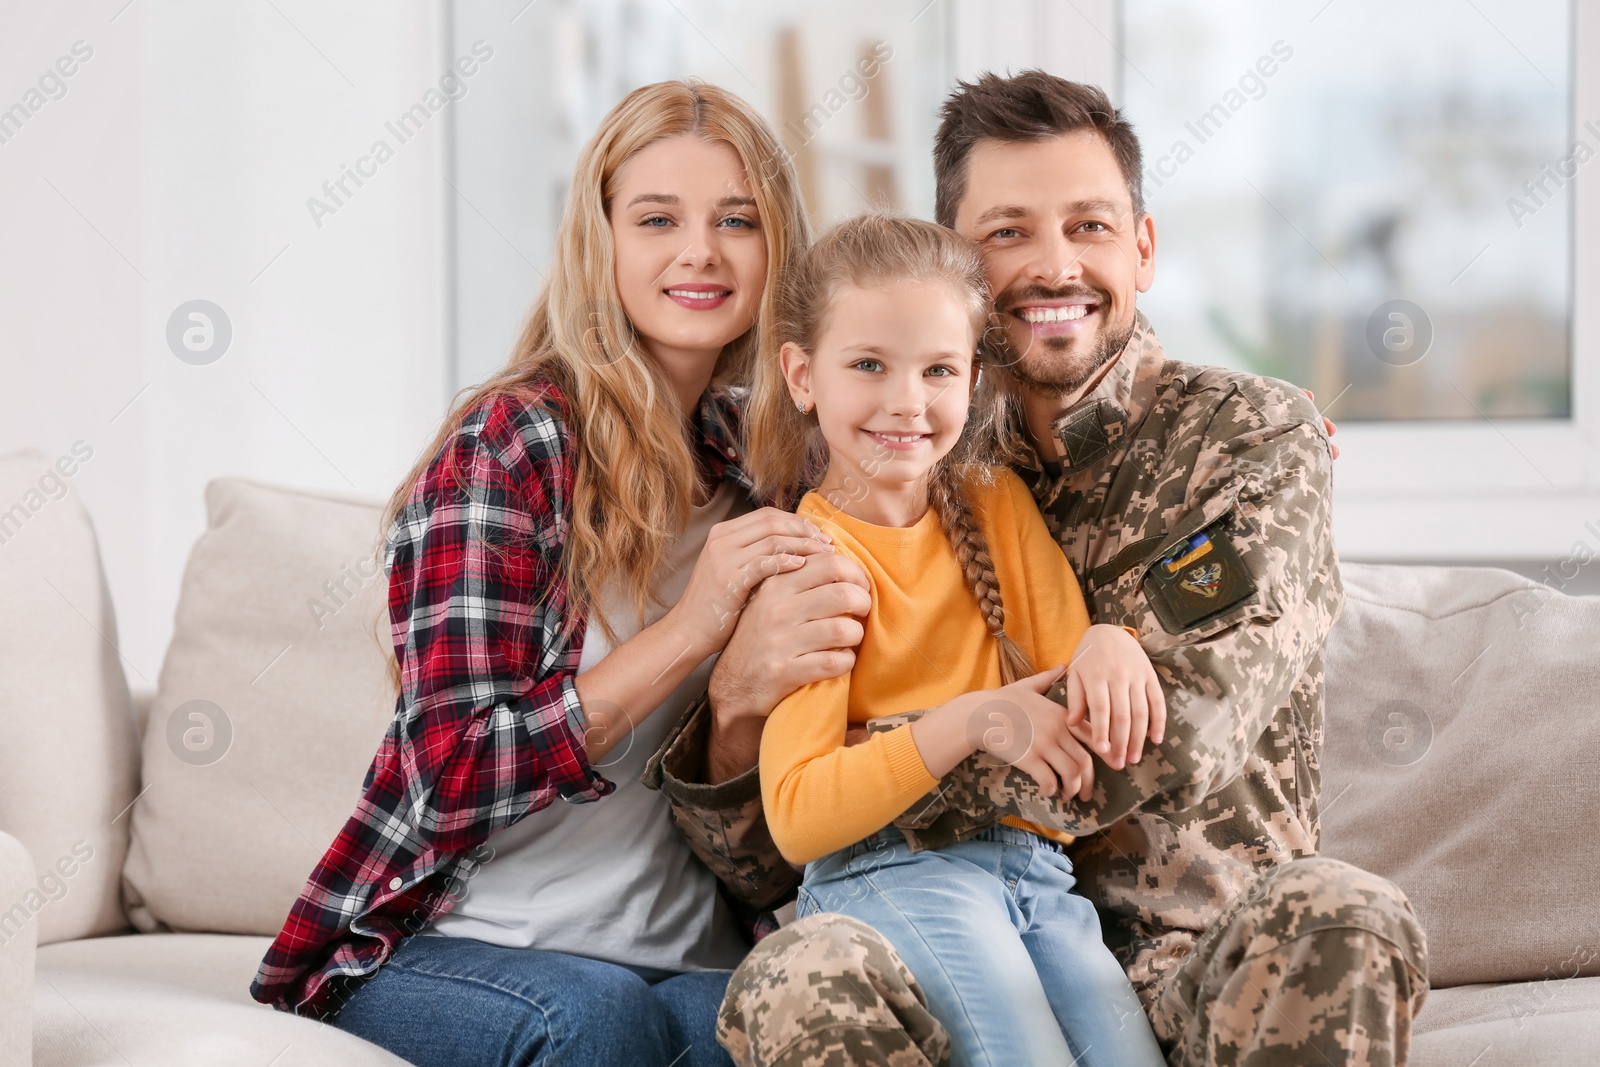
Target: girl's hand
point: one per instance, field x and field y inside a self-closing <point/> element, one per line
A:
<point x="1111" y="681"/>
<point x="738" y="554"/>
<point x="1018" y="725"/>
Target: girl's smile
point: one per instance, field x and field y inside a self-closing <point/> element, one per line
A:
<point x="890" y="382"/>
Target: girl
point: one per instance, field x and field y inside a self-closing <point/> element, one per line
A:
<point x="563" y="561"/>
<point x="879" y="324"/>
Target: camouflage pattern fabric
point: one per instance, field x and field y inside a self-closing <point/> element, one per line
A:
<point x="1233" y="789"/>
<point x="1320" y="962"/>
<point x="828" y="991"/>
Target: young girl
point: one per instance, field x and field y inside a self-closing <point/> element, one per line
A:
<point x="879" y="323"/>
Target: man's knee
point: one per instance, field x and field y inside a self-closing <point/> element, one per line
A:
<point x="1318" y="896"/>
<point x="823" y="986"/>
<point x="1321" y="960"/>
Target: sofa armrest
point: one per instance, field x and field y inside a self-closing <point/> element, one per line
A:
<point x="19" y="930"/>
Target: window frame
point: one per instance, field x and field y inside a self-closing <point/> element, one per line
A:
<point x="1459" y="490"/>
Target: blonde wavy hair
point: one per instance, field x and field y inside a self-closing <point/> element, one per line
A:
<point x="785" y="450"/>
<point x="635" y="471"/>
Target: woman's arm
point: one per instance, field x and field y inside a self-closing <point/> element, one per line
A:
<point x="633" y="679"/>
<point x="470" y="581"/>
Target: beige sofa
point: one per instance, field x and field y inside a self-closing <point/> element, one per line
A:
<point x="150" y="847"/>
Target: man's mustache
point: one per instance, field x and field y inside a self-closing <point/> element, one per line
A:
<point x="1033" y="294"/>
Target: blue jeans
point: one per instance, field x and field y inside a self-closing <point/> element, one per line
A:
<point x="457" y="1002"/>
<point x="1010" y="959"/>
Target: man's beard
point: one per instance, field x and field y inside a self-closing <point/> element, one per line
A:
<point x="1059" y="364"/>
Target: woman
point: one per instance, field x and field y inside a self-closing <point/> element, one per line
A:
<point x="564" y="562"/>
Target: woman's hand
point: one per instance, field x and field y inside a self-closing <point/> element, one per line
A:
<point x="798" y="626"/>
<point x="737" y="555"/>
<point x="1015" y="723"/>
<point x="1111" y="681"/>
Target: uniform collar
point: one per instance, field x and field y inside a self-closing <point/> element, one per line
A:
<point x="1094" y="427"/>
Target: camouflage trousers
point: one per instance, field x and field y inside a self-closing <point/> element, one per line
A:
<point x="1318" y="963"/>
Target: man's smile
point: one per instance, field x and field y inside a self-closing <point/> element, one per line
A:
<point x="1058" y="318"/>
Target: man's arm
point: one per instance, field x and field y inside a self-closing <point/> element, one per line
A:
<point x="723" y="824"/>
<point x="1265" y="493"/>
<point x="1226" y="677"/>
<point x="796" y="627"/>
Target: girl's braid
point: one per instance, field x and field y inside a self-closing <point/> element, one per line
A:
<point x="947" y="495"/>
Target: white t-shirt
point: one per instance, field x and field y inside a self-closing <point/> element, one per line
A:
<point x="613" y="879"/>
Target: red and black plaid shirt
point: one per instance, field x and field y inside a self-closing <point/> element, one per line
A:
<point x="481" y="735"/>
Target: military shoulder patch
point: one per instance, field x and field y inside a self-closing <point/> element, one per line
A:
<point x="1199" y="578"/>
<point x="1083" y="437"/>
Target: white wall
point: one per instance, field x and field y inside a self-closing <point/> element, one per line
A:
<point x="177" y="166"/>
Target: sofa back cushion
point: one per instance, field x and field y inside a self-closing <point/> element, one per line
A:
<point x="1461" y="761"/>
<point x="272" y="700"/>
<point x="67" y="767"/>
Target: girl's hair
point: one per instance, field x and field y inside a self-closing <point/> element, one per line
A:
<point x="785" y="449"/>
<point x="635" y="474"/>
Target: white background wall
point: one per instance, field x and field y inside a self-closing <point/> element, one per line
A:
<point x="177" y="166"/>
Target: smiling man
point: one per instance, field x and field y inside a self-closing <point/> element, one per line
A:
<point x="1194" y="505"/>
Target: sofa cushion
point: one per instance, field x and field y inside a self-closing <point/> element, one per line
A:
<point x="67" y="766"/>
<point x="1461" y="755"/>
<point x="180" y="1000"/>
<point x="1521" y="1024"/>
<point x="271" y="703"/>
<point x="17" y="932"/>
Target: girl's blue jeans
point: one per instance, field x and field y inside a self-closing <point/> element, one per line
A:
<point x="1010" y="958"/>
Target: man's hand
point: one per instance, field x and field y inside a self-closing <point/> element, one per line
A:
<point x="1327" y="423"/>
<point x="796" y="627"/>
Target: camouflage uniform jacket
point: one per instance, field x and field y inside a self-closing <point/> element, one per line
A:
<point x="1194" y="505"/>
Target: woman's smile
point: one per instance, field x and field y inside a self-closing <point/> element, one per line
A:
<point x="699" y="296"/>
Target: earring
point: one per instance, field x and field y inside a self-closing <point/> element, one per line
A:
<point x="801" y="404"/>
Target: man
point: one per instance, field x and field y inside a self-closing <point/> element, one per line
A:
<point x="1193" y="504"/>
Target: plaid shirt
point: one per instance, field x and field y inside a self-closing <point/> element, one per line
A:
<point x="483" y="728"/>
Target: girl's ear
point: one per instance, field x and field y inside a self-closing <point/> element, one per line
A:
<point x="796" y="371"/>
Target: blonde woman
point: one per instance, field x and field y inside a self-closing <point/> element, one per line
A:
<point x="565" y="561"/>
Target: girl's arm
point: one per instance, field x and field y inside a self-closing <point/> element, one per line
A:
<point x="820" y="796"/>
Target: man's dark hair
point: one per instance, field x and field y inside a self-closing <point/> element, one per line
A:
<point x="1029" y="106"/>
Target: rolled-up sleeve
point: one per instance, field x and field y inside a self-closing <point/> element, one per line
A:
<point x="484" y="734"/>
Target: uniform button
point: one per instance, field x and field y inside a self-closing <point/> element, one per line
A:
<point x="395" y="883"/>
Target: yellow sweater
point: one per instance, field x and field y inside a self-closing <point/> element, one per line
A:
<point x="925" y="643"/>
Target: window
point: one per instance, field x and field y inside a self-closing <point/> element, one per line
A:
<point x="1375" y="202"/>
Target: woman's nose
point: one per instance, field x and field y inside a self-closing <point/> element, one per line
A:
<point x="702" y="249"/>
